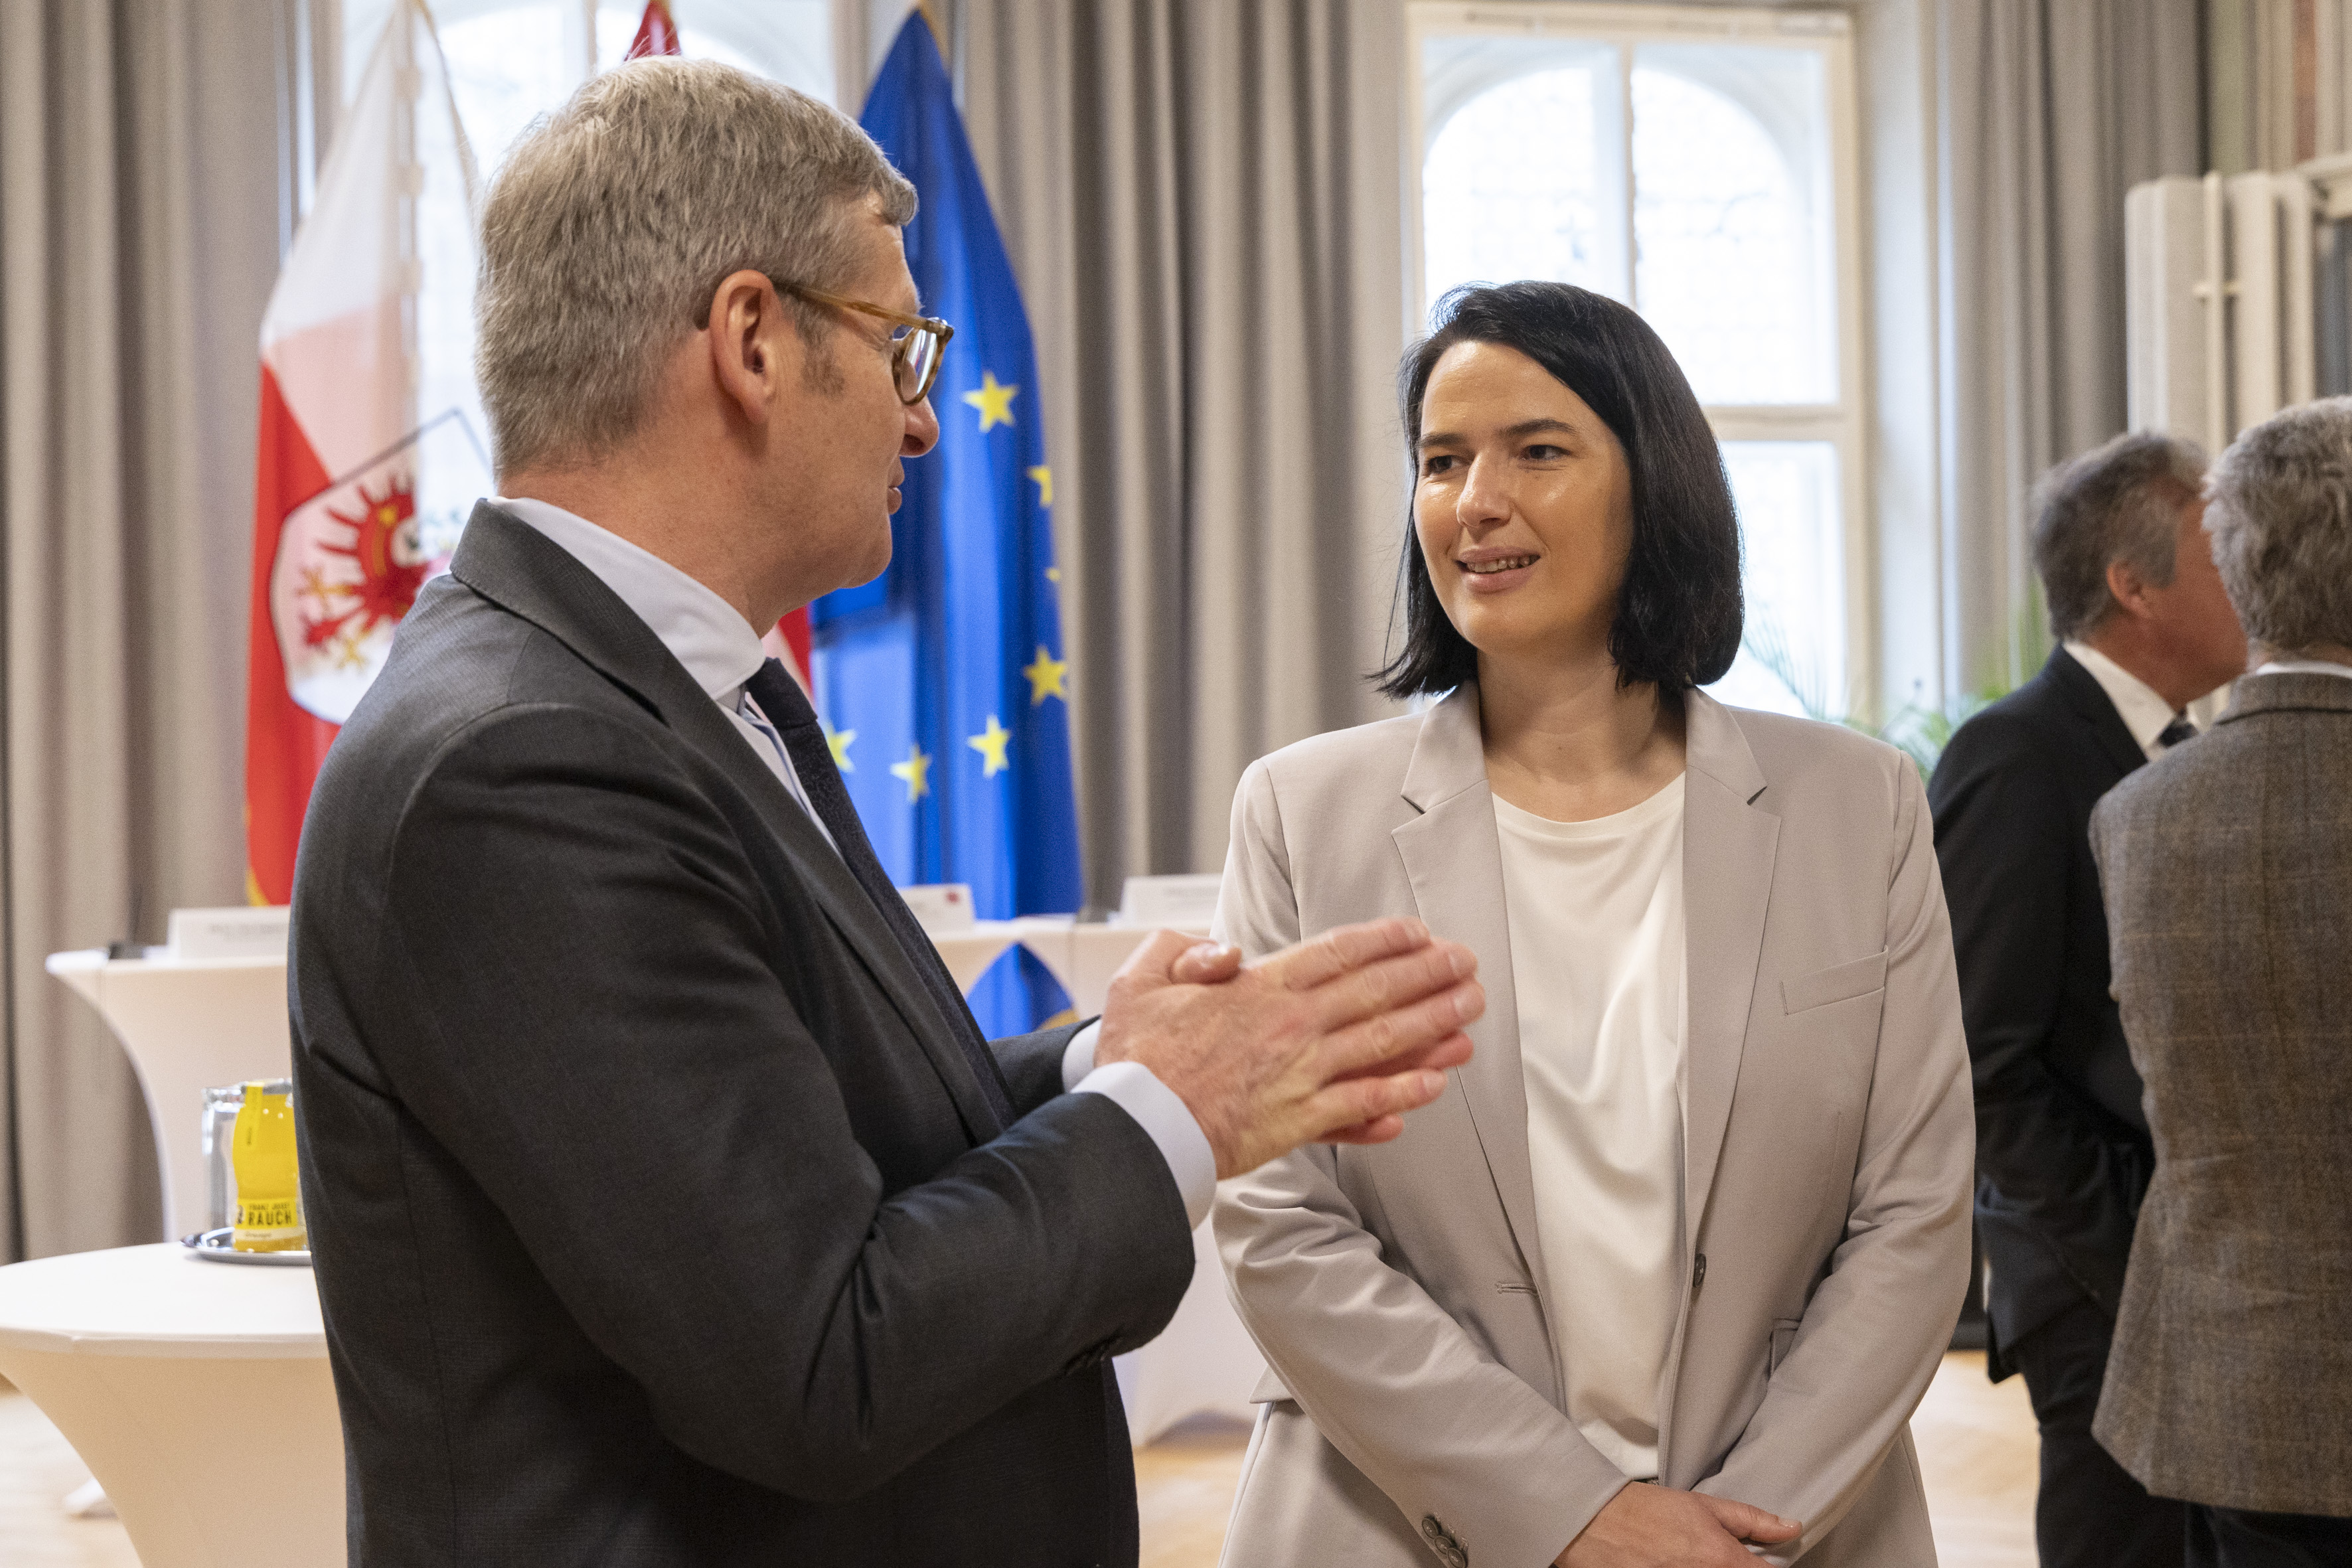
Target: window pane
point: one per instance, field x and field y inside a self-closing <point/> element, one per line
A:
<point x="1792" y="658"/>
<point x="504" y="68"/>
<point x="1512" y="189"/>
<point x="1727" y="265"/>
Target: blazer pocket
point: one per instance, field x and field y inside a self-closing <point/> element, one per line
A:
<point x="1838" y="983"/>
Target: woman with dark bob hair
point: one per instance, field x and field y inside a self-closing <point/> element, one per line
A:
<point x="1665" y="1272"/>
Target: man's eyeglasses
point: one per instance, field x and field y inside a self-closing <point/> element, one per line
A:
<point x="915" y="351"/>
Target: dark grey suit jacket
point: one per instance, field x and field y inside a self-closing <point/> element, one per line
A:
<point x="658" y="1217"/>
<point x="2227" y="865"/>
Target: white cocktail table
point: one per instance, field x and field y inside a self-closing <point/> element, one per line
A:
<point x="196" y="1392"/>
<point x="188" y="1025"/>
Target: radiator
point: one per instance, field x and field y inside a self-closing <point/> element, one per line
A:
<point x="2220" y="303"/>
<point x="2237" y="296"/>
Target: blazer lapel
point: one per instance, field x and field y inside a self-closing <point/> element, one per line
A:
<point x="1727" y="853"/>
<point x="513" y="564"/>
<point x="1454" y="862"/>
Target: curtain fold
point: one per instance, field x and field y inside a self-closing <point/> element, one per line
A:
<point x="141" y="191"/>
<point x="2050" y="111"/>
<point x="1204" y="204"/>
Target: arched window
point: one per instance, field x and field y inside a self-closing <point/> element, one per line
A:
<point x="1699" y="169"/>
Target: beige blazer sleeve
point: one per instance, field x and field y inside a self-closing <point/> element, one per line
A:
<point x="1875" y="1330"/>
<point x="1388" y="1377"/>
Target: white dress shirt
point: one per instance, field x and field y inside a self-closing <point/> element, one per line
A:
<point x="2144" y="713"/>
<point x="2305" y="667"/>
<point x="1595" y="912"/>
<point x="721" y="651"/>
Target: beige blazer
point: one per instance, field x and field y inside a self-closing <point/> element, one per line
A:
<point x="1414" y="1408"/>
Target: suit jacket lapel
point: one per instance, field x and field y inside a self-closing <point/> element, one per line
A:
<point x="513" y="564"/>
<point x="1455" y="862"/>
<point x="846" y="904"/>
<point x="2091" y="702"/>
<point x="1728" y="847"/>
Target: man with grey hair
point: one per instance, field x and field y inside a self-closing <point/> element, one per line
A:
<point x="2062" y="1151"/>
<point x="2228" y="869"/>
<point x="668" y="1206"/>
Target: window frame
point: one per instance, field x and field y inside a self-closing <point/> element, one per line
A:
<point x="1844" y="423"/>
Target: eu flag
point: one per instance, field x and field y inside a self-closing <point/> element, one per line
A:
<point x="944" y="682"/>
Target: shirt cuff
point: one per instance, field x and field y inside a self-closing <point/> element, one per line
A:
<point x="1078" y="1055"/>
<point x="1162" y="1114"/>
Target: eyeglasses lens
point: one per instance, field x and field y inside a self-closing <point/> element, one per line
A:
<point x="918" y="354"/>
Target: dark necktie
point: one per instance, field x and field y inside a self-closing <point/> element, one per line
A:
<point x="780" y="697"/>
<point x="2179" y="729"/>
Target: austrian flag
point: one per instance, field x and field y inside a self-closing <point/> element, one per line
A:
<point x="370" y="453"/>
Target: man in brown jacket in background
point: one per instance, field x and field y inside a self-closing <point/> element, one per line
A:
<point x="2227" y="871"/>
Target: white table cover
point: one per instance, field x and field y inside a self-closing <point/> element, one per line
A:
<point x="196" y="1392"/>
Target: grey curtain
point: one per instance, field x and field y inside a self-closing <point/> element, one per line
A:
<point x="143" y="195"/>
<point x="2049" y="112"/>
<point x="1202" y="203"/>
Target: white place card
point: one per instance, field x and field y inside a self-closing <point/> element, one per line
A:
<point x="941" y="906"/>
<point x="1179" y="903"/>
<point x="237" y="931"/>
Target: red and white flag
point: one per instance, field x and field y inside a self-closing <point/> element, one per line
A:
<point x="371" y="451"/>
<point x="789" y="639"/>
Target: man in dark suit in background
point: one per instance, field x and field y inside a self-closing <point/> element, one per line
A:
<point x="669" y="1208"/>
<point x="2062" y="1151"/>
<point x="2229" y="886"/>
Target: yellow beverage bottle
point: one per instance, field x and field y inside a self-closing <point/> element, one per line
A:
<point x="268" y="1200"/>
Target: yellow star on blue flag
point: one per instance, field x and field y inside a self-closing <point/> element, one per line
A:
<point x="1048" y="677"/>
<point x="994" y="402"/>
<point x="917" y="772"/>
<point x="990" y="743"/>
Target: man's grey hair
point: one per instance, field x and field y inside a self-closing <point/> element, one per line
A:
<point x="2117" y="502"/>
<point x="615" y="219"/>
<point x="2281" y="518"/>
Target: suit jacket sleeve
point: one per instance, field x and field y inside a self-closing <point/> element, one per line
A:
<point x="2006" y="839"/>
<point x="1388" y="1377"/>
<point x="1032" y="1065"/>
<point x="1877" y="1327"/>
<point x="598" y="1030"/>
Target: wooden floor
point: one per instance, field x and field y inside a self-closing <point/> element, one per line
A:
<point x="1976" y="1449"/>
<point x="36" y="1470"/>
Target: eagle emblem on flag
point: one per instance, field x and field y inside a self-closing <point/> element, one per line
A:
<point x="352" y="560"/>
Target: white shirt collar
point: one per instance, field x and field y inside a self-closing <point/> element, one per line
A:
<point x="2305" y="667"/>
<point x="2144" y="713"/>
<point x="701" y="630"/>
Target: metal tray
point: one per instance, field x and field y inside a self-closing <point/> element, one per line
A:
<point x="213" y="1246"/>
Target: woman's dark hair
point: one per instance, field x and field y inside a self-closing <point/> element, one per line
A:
<point x="1678" y="613"/>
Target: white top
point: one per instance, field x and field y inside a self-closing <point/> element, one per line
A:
<point x="1595" y="911"/>
<point x="721" y="651"/>
<point x="2144" y="713"/>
